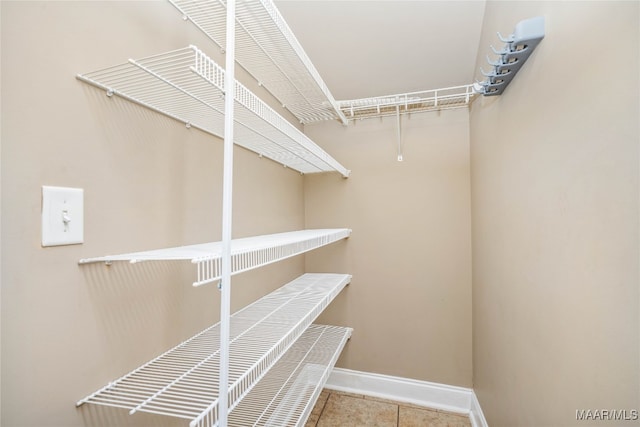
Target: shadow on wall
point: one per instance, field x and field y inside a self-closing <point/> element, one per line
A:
<point x="111" y="112"/>
<point x="140" y="311"/>
<point x="100" y="416"/>
<point x="144" y="309"/>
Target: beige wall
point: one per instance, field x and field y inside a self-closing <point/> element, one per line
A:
<point x="410" y="252"/>
<point x="554" y="173"/>
<point x="149" y="183"/>
<point x="550" y="204"/>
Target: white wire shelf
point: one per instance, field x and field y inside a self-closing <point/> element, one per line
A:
<point x="287" y="394"/>
<point x="269" y="51"/>
<point x="246" y="253"/>
<point x="183" y="382"/>
<point x="188" y="86"/>
<point x="406" y="103"/>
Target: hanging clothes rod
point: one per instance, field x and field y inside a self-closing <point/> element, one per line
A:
<point x="406" y="103"/>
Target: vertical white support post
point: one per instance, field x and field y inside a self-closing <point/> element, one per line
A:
<point x="399" y="133"/>
<point x="227" y="210"/>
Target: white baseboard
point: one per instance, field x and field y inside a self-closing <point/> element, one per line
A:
<point x="475" y="413"/>
<point x="433" y="395"/>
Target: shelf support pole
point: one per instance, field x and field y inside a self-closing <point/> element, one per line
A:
<point x="399" y="133"/>
<point x="227" y="205"/>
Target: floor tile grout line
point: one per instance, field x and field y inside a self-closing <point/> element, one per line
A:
<point x="398" y="417"/>
<point x="322" y="410"/>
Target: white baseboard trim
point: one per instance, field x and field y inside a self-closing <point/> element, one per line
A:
<point x="423" y="393"/>
<point x="475" y="413"/>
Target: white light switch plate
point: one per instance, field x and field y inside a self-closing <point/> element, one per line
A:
<point x="62" y="216"/>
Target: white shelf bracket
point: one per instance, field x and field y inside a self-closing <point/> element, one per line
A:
<point x="399" y="133"/>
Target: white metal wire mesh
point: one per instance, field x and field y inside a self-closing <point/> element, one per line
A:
<point x="246" y="254"/>
<point x="286" y="395"/>
<point x="268" y="50"/>
<point x="183" y="382"/>
<point x="405" y="103"/>
<point x="188" y="86"/>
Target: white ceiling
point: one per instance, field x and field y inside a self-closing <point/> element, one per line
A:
<point x="365" y="48"/>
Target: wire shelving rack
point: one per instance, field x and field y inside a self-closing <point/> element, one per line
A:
<point x="270" y="52"/>
<point x="246" y="253"/>
<point x="187" y="85"/>
<point x="306" y="368"/>
<point x="267" y="358"/>
<point x="182" y="382"/>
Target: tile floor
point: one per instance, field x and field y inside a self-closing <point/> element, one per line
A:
<point x="338" y="409"/>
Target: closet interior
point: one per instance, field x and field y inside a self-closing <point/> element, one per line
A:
<point x="419" y="246"/>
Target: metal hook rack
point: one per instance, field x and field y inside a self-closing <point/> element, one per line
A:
<point x="515" y="52"/>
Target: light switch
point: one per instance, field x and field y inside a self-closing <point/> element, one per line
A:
<point x="62" y="216"/>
